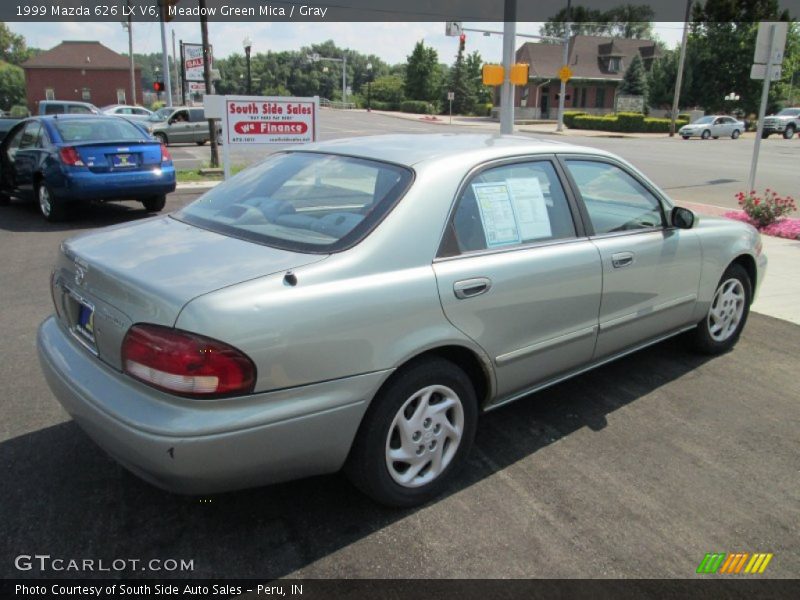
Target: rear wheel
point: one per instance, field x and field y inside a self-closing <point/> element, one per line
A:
<point x="686" y="137"/>
<point x="706" y="134"/>
<point x="415" y="435"/>
<point x="50" y="207"/>
<point x="201" y="142"/>
<point x="735" y="134"/>
<point x="788" y="133"/>
<point x="721" y="327"/>
<point x="155" y="204"/>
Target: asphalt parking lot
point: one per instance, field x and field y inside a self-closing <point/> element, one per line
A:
<point x="634" y="470"/>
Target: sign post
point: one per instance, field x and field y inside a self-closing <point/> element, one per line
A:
<point x="450" y="97"/>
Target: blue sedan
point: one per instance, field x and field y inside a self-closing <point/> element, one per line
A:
<point x="63" y="159"/>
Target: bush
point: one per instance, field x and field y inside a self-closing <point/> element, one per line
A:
<point x="419" y="107"/>
<point x="484" y="109"/>
<point x="157" y="104"/>
<point x="19" y="112"/>
<point x="621" y="122"/>
<point x="653" y="125"/>
<point x="569" y="117"/>
<point x="765" y="211"/>
<point x="381" y="105"/>
<point x="630" y="122"/>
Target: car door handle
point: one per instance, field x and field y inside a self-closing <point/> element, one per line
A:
<point x="469" y="288"/>
<point x="622" y="259"/>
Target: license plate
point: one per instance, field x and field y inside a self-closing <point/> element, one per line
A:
<point x="85" y="325"/>
<point x="123" y="160"/>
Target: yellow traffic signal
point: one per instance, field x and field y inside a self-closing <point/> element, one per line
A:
<point x="493" y="74"/>
<point x="519" y="74"/>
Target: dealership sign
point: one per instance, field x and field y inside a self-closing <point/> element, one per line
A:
<point x="193" y="62"/>
<point x="270" y="120"/>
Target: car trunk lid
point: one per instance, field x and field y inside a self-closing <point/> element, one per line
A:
<point x="121" y="156"/>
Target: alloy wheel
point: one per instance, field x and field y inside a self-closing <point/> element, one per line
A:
<point x="726" y="310"/>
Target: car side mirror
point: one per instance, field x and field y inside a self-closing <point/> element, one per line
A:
<point x="682" y="218"/>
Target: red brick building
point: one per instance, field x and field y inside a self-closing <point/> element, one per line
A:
<point x="83" y="71"/>
<point x="598" y="65"/>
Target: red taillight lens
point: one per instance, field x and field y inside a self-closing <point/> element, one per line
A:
<point x="70" y="157"/>
<point x="165" y="155"/>
<point x="186" y="363"/>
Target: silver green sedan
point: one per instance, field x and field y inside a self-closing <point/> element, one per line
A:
<point x="356" y="304"/>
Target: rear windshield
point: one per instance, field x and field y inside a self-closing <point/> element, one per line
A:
<point x="98" y="130"/>
<point x="302" y="201"/>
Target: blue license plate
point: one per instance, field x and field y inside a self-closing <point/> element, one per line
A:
<point x="86" y="322"/>
<point x="123" y="160"/>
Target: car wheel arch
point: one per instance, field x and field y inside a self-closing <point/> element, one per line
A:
<point x="748" y="263"/>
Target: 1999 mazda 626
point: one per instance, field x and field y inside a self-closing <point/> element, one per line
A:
<point x="357" y="303"/>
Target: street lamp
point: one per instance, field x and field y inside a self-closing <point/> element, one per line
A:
<point x="315" y="57"/>
<point x="248" y="44"/>
<point x="369" y="87"/>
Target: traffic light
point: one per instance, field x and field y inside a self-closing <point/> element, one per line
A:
<point x="461" y="41"/>
<point x="493" y="74"/>
<point x="158" y="86"/>
<point x="519" y="74"/>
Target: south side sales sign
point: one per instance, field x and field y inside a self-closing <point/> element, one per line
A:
<point x="271" y="120"/>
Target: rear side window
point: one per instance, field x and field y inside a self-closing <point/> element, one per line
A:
<point x="53" y="109"/>
<point x="302" y="201"/>
<point x="197" y="114"/>
<point x="509" y="205"/>
<point x="97" y="130"/>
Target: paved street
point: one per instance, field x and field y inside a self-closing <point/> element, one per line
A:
<point x="635" y="470"/>
<point x="710" y="171"/>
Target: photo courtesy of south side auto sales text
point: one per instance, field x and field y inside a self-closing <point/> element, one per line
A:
<point x="146" y="590"/>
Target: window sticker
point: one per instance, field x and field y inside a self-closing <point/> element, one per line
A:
<point x="497" y="214"/>
<point x="530" y="208"/>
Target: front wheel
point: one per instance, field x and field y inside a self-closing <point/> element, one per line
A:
<point x="721" y="327"/>
<point x="201" y="142"/>
<point x="788" y="133"/>
<point x="155" y="204"/>
<point x="415" y="435"/>
<point x="764" y="135"/>
<point x="735" y="134"/>
<point x="50" y="207"/>
<point x="706" y="134"/>
<point x="686" y="137"/>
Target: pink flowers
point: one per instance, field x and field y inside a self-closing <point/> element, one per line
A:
<point x="763" y="212"/>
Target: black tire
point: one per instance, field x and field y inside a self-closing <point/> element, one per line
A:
<point x="686" y="137"/>
<point x="161" y="137"/>
<point x="706" y="134"/>
<point x="201" y="142"/>
<point x="735" y="135"/>
<point x="716" y="137"/>
<point x="704" y="339"/>
<point x="788" y="133"/>
<point x="51" y="208"/>
<point x="367" y="466"/>
<point x="764" y="135"/>
<point x="154" y="203"/>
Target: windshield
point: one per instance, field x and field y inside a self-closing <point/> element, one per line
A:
<point x="302" y="201"/>
<point x="161" y="114"/>
<point x="97" y="130"/>
<point x="789" y="112"/>
<point x="703" y="121"/>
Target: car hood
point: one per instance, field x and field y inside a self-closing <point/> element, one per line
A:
<point x="149" y="270"/>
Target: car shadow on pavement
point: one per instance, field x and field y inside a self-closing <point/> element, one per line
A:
<point x="20" y="216"/>
<point x="68" y="499"/>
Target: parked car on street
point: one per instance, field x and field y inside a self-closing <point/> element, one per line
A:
<point x="60" y="107"/>
<point x="184" y="124"/>
<point x="61" y="160"/>
<point x="786" y="122"/>
<point x="715" y="126"/>
<point x="137" y="113"/>
<point x="357" y="303"/>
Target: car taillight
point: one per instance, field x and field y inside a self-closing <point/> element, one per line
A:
<point x="186" y="363"/>
<point x="70" y="157"/>
<point x="165" y="155"/>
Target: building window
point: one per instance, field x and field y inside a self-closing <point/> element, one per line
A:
<point x="120" y="96"/>
<point x="49" y="94"/>
<point x="614" y="64"/>
<point x="86" y="94"/>
<point x="600" y="98"/>
<point x="582" y="100"/>
<point x="523" y="97"/>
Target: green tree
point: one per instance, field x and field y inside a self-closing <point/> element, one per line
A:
<point x="12" y="85"/>
<point x="13" y="48"/>
<point x="480" y="92"/>
<point x="626" y="21"/>
<point x="422" y="74"/>
<point x="388" y="88"/>
<point x="634" y="82"/>
<point x="661" y="80"/>
<point x="459" y="84"/>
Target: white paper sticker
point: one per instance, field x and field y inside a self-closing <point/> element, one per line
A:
<point x="530" y="208"/>
<point x="497" y="213"/>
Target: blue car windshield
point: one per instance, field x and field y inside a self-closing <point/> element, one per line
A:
<point x="302" y="201"/>
<point x="98" y="130"/>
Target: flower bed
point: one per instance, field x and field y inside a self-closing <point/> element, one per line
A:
<point x="788" y="227"/>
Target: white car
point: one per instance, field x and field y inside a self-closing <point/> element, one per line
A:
<point x="715" y="126"/>
<point x="137" y="113"/>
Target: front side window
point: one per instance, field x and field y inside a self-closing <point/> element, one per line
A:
<point x="302" y="201"/>
<point x="614" y="200"/>
<point x="510" y="205"/>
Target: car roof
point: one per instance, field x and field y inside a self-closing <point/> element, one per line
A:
<point x="411" y="149"/>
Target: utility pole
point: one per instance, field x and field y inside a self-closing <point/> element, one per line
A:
<point x="507" y="89"/>
<point x="679" y="80"/>
<point x="212" y="128"/>
<point x="129" y="27"/>
<point x="175" y="69"/>
<point x="562" y="96"/>
<point x="165" y="52"/>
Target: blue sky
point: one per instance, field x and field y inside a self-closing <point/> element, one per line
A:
<point x="392" y="42"/>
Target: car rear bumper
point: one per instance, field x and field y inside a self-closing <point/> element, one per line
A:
<point x="85" y="185"/>
<point x="205" y="446"/>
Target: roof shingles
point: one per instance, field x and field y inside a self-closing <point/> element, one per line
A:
<point x="78" y="55"/>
